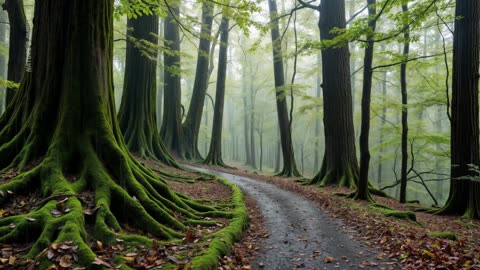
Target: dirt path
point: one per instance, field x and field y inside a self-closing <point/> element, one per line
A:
<point x="300" y="236"/>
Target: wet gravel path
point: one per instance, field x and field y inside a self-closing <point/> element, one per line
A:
<point x="300" y="235"/>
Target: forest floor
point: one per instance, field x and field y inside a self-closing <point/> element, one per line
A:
<point x="420" y="244"/>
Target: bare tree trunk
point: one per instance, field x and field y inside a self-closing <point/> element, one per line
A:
<point x="403" y="83"/>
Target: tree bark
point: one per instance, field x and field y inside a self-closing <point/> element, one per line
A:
<point x="171" y="131"/>
<point x="3" y="60"/>
<point x="17" y="54"/>
<point x="137" y="115"/>
<point x="403" y="85"/>
<point x="464" y="196"/>
<point x="191" y="126"/>
<point x="289" y="166"/>
<point x="340" y="165"/>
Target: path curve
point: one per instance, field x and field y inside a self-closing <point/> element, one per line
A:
<point x="301" y="236"/>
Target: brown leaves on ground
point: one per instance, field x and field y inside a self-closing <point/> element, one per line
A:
<point x="400" y="240"/>
<point x="12" y="256"/>
<point x="19" y="204"/>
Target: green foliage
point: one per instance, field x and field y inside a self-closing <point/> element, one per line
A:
<point x="444" y="235"/>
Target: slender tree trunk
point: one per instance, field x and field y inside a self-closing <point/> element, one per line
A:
<point x="362" y="190"/>
<point x="403" y="84"/>
<point x="246" y="116"/>
<point x="289" y="166"/>
<point x="382" y="124"/>
<point x="464" y="197"/>
<point x="340" y="165"/>
<point x="161" y="79"/>
<point x="171" y="131"/>
<point x="137" y="114"/>
<point x="214" y="156"/>
<point x="253" y="154"/>
<point x="316" y="153"/>
<point x="17" y="55"/>
<point x="191" y="126"/>
<point x="3" y="60"/>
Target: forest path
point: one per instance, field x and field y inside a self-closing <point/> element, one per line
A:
<point x="301" y="236"/>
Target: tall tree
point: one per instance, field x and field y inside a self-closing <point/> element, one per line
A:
<point x="289" y="166"/>
<point x="64" y="115"/>
<point x="362" y="190"/>
<point x="339" y="165"/>
<point x="3" y="59"/>
<point x="214" y="156"/>
<point x="137" y="115"/>
<point x="403" y="86"/>
<point x="17" y="55"/>
<point x="464" y="196"/>
<point x="191" y="126"/>
<point x="171" y="131"/>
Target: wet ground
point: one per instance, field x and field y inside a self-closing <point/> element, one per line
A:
<point x="300" y="235"/>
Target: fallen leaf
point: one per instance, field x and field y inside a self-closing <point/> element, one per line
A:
<point x="31" y="219"/>
<point x="329" y="259"/>
<point x="98" y="261"/>
<point x="65" y="261"/>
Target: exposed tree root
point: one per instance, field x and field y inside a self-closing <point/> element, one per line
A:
<point x="124" y="192"/>
<point x="346" y="177"/>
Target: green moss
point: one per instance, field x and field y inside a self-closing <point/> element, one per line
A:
<point x="444" y="235"/>
<point x="388" y="212"/>
<point x="223" y="239"/>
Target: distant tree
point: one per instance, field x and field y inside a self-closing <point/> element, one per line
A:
<point x="214" y="156"/>
<point x="171" y="131"/>
<point x="191" y="126"/>
<point x="289" y="166"/>
<point x="464" y="197"/>
<point x="340" y="165"/>
<point x="17" y="56"/>
<point x="137" y="114"/>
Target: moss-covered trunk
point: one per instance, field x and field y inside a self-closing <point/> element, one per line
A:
<point x="464" y="197"/>
<point x="17" y="55"/>
<point x="171" y="131"/>
<point x="191" y="126"/>
<point x="214" y="156"/>
<point x="289" y="166"/>
<point x="340" y="165"/>
<point x="63" y="125"/>
<point x="137" y="114"/>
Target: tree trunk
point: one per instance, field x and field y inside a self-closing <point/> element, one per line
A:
<point x="161" y="79"/>
<point x="403" y="85"/>
<point x="340" y="165"/>
<point x="191" y="126"/>
<point x="253" y="154"/>
<point x="362" y="190"/>
<point x="316" y="153"/>
<point x="17" y="54"/>
<point x="214" y="156"/>
<point x="137" y="114"/>
<point x="464" y="197"/>
<point x="3" y="60"/>
<point x="171" y="130"/>
<point x="289" y="166"/>
<point x="62" y="136"/>
<point x="382" y="124"/>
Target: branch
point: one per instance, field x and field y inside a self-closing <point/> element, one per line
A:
<point x="406" y="61"/>
<point x="308" y="5"/>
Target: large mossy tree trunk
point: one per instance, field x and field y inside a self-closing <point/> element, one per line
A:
<point x="214" y="156"/>
<point x="17" y="54"/>
<point x="464" y="197"/>
<point x="62" y="138"/>
<point x="137" y="115"/>
<point x="339" y="165"/>
<point x="171" y="131"/>
<point x="362" y="192"/>
<point x="191" y="126"/>
<point x="289" y="166"/>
